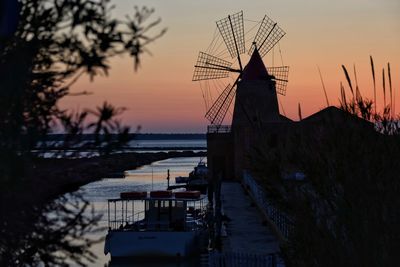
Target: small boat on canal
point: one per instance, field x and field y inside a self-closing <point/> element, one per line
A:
<point x="197" y="179"/>
<point x="156" y="224"/>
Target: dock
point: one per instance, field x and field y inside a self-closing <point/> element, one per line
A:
<point x="246" y="231"/>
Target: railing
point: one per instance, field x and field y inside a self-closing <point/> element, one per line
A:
<point x="122" y="216"/>
<point x="118" y="224"/>
<point x="281" y="220"/>
<point x="218" y="129"/>
<point x="237" y="259"/>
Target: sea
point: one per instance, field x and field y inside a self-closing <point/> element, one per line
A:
<point x="140" y="143"/>
<point x="146" y="178"/>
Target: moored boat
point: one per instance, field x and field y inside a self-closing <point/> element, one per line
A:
<point x="133" y="195"/>
<point x="200" y="171"/>
<point x="198" y="178"/>
<point x="160" y="224"/>
<point x="188" y="194"/>
<point x="161" y="194"/>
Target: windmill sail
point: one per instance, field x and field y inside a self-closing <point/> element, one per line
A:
<point x="281" y="78"/>
<point x="218" y="110"/>
<point x="232" y="31"/>
<point x="209" y="67"/>
<point x="267" y="36"/>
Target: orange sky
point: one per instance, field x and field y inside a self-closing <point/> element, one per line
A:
<point x="162" y="98"/>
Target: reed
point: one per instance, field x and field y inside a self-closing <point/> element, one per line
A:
<point x="343" y="101"/>
<point x="390" y="88"/>
<point x="373" y="79"/>
<point x="384" y="88"/>
<point x="299" y="110"/>
<point x="348" y="79"/>
<point x="323" y="87"/>
<point x="352" y="105"/>
<point x="358" y="94"/>
<point x="385" y="120"/>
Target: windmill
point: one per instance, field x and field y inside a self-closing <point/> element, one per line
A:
<point x="210" y="66"/>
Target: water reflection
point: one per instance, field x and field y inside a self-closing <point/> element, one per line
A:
<point x="146" y="178"/>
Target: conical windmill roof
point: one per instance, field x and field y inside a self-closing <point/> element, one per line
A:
<point x="255" y="69"/>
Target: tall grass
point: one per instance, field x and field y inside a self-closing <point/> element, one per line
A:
<point x="390" y="88"/>
<point x="384" y="88"/>
<point x="385" y="121"/>
<point x="299" y="111"/>
<point x="373" y="79"/>
<point x="323" y="87"/>
<point x="348" y="79"/>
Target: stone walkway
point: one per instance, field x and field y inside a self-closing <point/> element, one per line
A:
<point x="245" y="231"/>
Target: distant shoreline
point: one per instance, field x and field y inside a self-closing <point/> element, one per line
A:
<point x="135" y="136"/>
<point x="127" y="149"/>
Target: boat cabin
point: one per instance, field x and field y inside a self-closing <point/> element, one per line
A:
<point x="157" y="211"/>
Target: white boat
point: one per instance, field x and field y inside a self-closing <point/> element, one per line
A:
<point x="156" y="224"/>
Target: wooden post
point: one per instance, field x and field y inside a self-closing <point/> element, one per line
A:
<point x="168" y="179"/>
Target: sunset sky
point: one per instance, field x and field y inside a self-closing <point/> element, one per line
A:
<point x="161" y="96"/>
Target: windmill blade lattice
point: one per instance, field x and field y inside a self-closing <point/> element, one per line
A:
<point x="281" y="78"/>
<point x="218" y="110"/>
<point x="209" y="67"/>
<point x="232" y="31"/>
<point x="267" y="36"/>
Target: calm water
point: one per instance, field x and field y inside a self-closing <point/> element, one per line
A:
<point x="168" y="143"/>
<point x="146" y="178"/>
<point x="139" y="146"/>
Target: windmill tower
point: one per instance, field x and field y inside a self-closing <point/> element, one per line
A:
<point x="254" y="85"/>
<point x="256" y="100"/>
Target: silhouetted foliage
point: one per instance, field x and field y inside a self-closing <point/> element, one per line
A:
<point x="345" y="212"/>
<point x="58" y="234"/>
<point x="54" y="43"/>
<point x="386" y="122"/>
